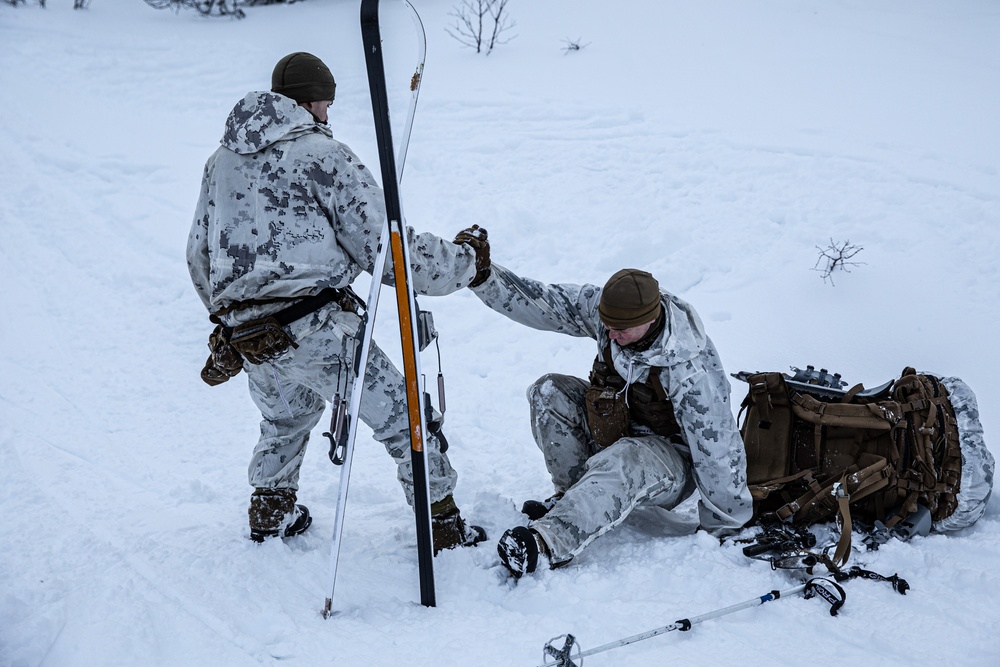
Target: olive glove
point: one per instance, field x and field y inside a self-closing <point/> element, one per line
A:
<point x="475" y="237"/>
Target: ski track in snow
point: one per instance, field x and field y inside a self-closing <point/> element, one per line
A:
<point x="692" y="145"/>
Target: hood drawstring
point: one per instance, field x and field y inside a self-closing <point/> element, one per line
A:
<point x="628" y="381"/>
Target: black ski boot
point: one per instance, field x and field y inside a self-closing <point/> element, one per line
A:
<point x="450" y="530"/>
<point x="273" y="513"/>
<point x="519" y="550"/>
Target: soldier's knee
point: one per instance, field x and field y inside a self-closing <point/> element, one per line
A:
<point x="549" y="387"/>
<point x="542" y="389"/>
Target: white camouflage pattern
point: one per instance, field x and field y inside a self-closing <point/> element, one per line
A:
<point x="292" y="392"/>
<point x="603" y="487"/>
<point x="977" y="462"/>
<point x="285" y="210"/>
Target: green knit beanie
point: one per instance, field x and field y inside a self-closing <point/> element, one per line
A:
<point x="631" y="297"/>
<point x="304" y="78"/>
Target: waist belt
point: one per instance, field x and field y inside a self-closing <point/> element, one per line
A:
<point x="311" y="304"/>
<point x="345" y="298"/>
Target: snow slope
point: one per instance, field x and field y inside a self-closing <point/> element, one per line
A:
<point x="715" y="144"/>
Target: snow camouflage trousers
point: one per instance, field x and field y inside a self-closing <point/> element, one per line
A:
<point x="292" y="393"/>
<point x="600" y="487"/>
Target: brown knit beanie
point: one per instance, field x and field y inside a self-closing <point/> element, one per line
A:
<point x="631" y="297"/>
<point x="304" y="78"/>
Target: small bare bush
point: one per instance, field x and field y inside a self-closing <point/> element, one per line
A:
<point x="570" y="45"/>
<point x="836" y="257"/>
<point x="481" y="24"/>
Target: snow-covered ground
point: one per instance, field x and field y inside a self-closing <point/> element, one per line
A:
<point x="715" y="144"/>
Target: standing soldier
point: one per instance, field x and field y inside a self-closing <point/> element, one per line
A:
<point x="288" y="217"/>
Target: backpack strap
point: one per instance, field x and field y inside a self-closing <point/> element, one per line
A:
<point x="767" y="392"/>
<point x="869" y="416"/>
<point x="835" y="495"/>
<point x="656" y="384"/>
<point x="843" y="550"/>
<point x="931" y="445"/>
<point x="762" y="490"/>
<point x="858" y="481"/>
<point x="852" y="392"/>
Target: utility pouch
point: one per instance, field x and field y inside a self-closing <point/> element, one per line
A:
<point x="261" y="341"/>
<point x="224" y="361"/>
<point x="607" y="415"/>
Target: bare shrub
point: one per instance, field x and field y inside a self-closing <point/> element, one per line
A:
<point x="836" y="257"/>
<point x="473" y="19"/>
<point x="570" y="45"/>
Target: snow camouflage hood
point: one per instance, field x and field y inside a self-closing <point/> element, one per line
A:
<point x="262" y="119"/>
<point x="683" y="338"/>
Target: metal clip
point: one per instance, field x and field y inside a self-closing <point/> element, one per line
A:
<point x="337" y="435"/>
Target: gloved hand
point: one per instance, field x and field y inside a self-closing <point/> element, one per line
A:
<point x="476" y="238"/>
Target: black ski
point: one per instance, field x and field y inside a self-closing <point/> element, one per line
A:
<point x="372" y="40"/>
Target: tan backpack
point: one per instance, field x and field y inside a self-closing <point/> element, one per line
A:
<point x="816" y="452"/>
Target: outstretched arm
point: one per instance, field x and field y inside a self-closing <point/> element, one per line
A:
<point x="437" y="266"/>
<point x="565" y="308"/>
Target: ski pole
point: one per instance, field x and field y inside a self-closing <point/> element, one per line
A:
<point x="342" y="453"/>
<point x="564" y="656"/>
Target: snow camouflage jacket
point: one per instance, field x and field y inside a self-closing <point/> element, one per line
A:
<point x="691" y="374"/>
<point x="286" y="210"/>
